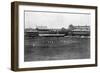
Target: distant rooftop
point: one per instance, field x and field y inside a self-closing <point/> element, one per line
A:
<point x="79" y="28"/>
<point x="41" y="27"/>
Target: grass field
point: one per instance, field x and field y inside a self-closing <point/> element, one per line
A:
<point x="56" y="48"/>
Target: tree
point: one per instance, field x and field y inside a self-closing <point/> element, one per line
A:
<point x="63" y="29"/>
<point x="71" y="27"/>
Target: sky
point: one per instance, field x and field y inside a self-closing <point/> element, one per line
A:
<point x="55" y="20"/>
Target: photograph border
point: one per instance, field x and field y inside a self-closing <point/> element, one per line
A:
<point x="15" y="34"/>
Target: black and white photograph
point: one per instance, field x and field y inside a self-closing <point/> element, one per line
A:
<point x="52" y="35"/>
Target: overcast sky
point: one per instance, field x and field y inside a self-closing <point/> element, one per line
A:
<point x="55" y="20"/>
